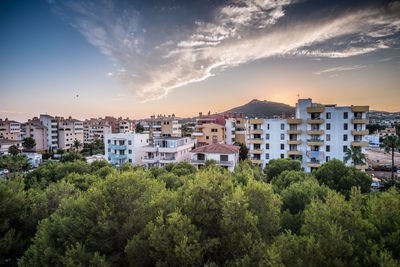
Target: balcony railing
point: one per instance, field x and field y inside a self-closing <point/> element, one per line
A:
<point x="315" y="140"/>
<point x="218" y="162"/>
<point x="116" y="156"/>
<point x="118" y="147"/>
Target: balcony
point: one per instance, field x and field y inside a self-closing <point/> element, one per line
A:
<point x="315" y="142"/>
<point x="293" y="152"/>
<point x="313" y="164"/>
<point x="256" y="160"/>
<point x="197" y="134"/>
<point x="359" y="132"/>
<point x="294" y="131"/>
<point x="294" y="121"/>
<point x="240" y="132"/>
<point x="356" y="120"/>
<point x="362" y="167"/>
<point x="117" y="147"/>
<point x="241" y="125"/>
<point x="167" y="160"/>
<point x="359" y="143"/>
<point x="294" y="142"/>
<point x="315" y="121"/>
<point x="255" y="151"/>
<point x="256" y="141"/>
<point x="149" y="149"/>
<point x="256" y="121"/>
<point x="117" y="156"/>
<point x="359" y="108"/>
<point x="257" y="131"/>
<point x="315" y="132"/>
<point x="318" y="109"/>
<point x="150" y="159"/>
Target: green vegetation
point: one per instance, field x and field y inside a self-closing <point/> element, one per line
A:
<point x="75" y="214"/>
<point x="390" y="144"/>
<point x="13" y="150"/>
<point x="354" y="153"/>
<point x="28" y="143"/>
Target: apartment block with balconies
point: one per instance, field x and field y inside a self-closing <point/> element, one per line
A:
<point x="125" y="147"/>
<point x="34" y="128"/>
<point x="166" y="150"/>
<point x="52" y="130"/>
<point x="236" y="128"/>
<point x="10" y="129"/>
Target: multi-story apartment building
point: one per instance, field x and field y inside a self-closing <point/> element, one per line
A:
<point x="10" y="129"/>
<point x="69" y="130"/>
<point x="6" y="143"/>
<point x="95" y="129"/>
<point x="166" y="150"/>
<point x="125" y="147"/>
<point x="317" y="134"/>
<point x="126" y="125"/>
<point x="236" y="129"/>
<point x="224" y="155"/>
<point x="162" y="126"/>
<point x="113" y="122"/>
<point x="210" y="129"/>
<point x="34" y="128"/>
<point x="52" y="130"/>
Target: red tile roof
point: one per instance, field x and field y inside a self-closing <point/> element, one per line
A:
<point x="218" y="149"/>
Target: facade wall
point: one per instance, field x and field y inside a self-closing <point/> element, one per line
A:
<point x="233" y="159"/>
<point x="52" y="131"/>
<point x="209" y="133"/>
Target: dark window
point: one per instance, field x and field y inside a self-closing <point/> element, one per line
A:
<point x="328" y="137"/>
<point x="344" y="148"/>
<point x="267" y="136"/>
<point x="328" y="115"/>
<point x="266" y="146"/>
<point x="345" y="137"/>
<point x="130" y="142"/>
<point x="223" y="157"/>
<point x="282" y="126"/>
<point x="130" y="151"/>
<point x="345" y="115"/>
<point x="328" y="126"/>
<point x="282" y="156"/>
<point x="345" y="126"/>
<point x="328" y="148"/>
<point x="282" y="146"/>
<point x="267" y="156"/>
<point x="207" y="137"/>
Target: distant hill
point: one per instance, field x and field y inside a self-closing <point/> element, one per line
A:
<point x="263" y="109"/>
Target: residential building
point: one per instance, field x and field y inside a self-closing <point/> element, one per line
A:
<point x="236" y="128"/>
<point x="6" y="143"/>
<point x="34" y="128"/>
<point x="95" y="129"/>
<point x="166" y="150"/>
<point x="126" y="125"/>
<point x="224" y="155"/>
<point x="317" y="134"/>
<point x="386" y="132"/>
<point x="125" y="147"/>
<point x="113" y="122"/>
<point x="210" y="129"/>
<point x="373" y="140"/>
<point x="52" y="130"/>
<point x="10" y="129"/>
<point x="162" y="126"/>
<point x="69" y="130"/>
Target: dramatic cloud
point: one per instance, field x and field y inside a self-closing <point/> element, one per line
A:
<point x="155" y="59"/>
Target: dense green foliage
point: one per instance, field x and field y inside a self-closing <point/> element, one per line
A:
<point x="28" y="143"/>
<point x="76" y="214"/>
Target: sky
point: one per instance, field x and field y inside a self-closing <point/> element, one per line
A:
<point x="138" y="58"/>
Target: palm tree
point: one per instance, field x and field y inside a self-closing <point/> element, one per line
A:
<point x="391" y="143"/>
<point x="77" y="144"/>
<point x="13" y="150"/>
<point x="354" y="154"/>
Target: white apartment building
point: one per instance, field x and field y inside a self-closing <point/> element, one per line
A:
<point x="69" y="130"/>
<point x="52" y="130"/>
<point x="317" y="134"/>
<point x="125" y="147"/>
<point x="167" y="150"/>
<point x="94" y="130"/>
<point x="224" y="155"/>
<point x="236" y="130"/>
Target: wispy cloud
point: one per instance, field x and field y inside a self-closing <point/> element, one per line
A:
<point x="340" y="69"/>
<point x="154" y="63"/>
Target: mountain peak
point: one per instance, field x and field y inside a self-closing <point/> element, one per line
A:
<point x="263" y="109"/>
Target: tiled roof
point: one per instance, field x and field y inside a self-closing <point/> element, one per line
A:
<point x="217" y="148"/>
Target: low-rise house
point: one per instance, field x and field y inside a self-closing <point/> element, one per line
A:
<point x="166" y="150"/>
<point x="6" y="143"/>
<point x="224" y="155"/>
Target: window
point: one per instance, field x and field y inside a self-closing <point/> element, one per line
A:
<point x="130" y="142"/>
<point x="213" y="130"/>
<point x="266" y="146"/>
<point x="328" y="115"/>
<point x="130" y="151"/>
<point x="345" y="137"/>
<point x="223" y="157"/>
<point x="282" y="126"/>
<point x="344" y="148"/>
<point x="268" y="126"/>
<point x="328" y="126"/>
<point x="282" y="146"/>
<point x="328" y="137"/>
<point x="327" y="158"/>
<point x="109" y="150"/>
<point x="282" y="156"/>
<point x="345" y="126"/>
<point x="328" y="148"/>
<point x="282" y="136"/>
<point x="345" y="115"/>
<point x="267" y="136"/>
<point x="130" y="160"/>
<point x="267" y="156"/>
<point x="207" y="137"/>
